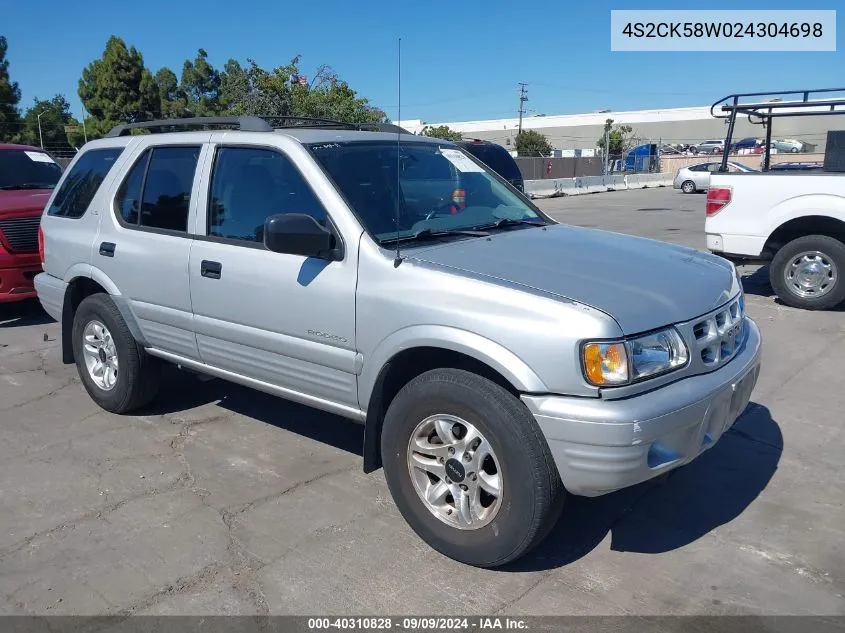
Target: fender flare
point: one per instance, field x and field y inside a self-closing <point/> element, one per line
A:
<point x="377" y="366"/>
<point x="95" y="274"/>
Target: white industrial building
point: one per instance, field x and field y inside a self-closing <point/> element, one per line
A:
<point x="669" y="125"/>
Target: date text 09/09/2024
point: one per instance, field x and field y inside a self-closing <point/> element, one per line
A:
<point x="417" y="623"/>
<point x="722" y="29"/>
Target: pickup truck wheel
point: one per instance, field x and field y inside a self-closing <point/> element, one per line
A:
<point x="117" y="373"/>
<point x="469" y="468"/>
<point x="807" y="272"/>
<point x="688" y="186"/>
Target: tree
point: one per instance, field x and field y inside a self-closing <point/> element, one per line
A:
<point x="174" y="103"/>
<point x="280" y="92"/>
<point x="532" y="143"/>
<point x="201" y="86"/>
<point x="10" y="96"/>
<point x="442" y="132"/>
<point x="55" y="115"/>
<point x="617" y="138"/>
<point x="118" y="88"/>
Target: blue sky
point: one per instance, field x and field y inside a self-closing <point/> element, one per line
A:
<point x="460" y="59"/>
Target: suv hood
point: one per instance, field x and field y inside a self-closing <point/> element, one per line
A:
<point x="643" y="284"/>
<point x="23" y="200"/>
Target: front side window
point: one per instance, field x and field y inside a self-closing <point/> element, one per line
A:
<point x="426" y="186"/>
<point x="157" y="191"/>
<point x="248" y="185"/>
<point x="81" y="184"/>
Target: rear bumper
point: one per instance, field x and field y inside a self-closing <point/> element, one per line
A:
<point x="743" y="245"/>
<point x="600" y="446"/>
<point x="16" y="276"/>
<point x="51" y="294"/>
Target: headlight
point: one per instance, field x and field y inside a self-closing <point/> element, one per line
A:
<point x="657" y="353"/>
<point x="623" y="362"/>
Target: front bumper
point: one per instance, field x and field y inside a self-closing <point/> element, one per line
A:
<point x="600" y="446"/>
<point x="16" y="284"/>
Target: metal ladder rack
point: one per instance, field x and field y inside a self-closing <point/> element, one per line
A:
<point x="765" y="111"/>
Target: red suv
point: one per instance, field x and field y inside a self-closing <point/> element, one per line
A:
<point x="27" y="178"/>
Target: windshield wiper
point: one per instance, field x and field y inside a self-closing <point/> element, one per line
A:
<point x="503" y="222"/>
<point x="428" y="233"/>
<point x="27" y="185"/>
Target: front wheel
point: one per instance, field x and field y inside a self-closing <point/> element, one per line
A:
<point x="807" y="272"/>
<point x="469" y="468"/>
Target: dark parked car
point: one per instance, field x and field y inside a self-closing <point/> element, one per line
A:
<point x="497" y="158"/>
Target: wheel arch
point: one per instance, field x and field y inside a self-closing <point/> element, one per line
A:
<point x="800" y="226"/>
<point x="82" y="286"/>
<point x="407" y="361"/>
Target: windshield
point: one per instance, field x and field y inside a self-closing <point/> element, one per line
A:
<point x="437" y="188"/>
<point x="27" y="169"/>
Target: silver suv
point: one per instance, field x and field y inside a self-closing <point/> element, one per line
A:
<point x="497" y="359"/>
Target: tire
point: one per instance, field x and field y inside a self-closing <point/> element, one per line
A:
<point x="137" y="376"/>
<point x="794" y="150"/>
<point x="531" y="493"/>
<point x="688" y="186"/>
<point x="827" y="254"/>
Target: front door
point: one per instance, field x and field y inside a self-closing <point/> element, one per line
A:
<point x="286" y="320"/>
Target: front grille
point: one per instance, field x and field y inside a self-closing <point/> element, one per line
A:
<point x="21" y="233"/>
<point x="719" y="335"/>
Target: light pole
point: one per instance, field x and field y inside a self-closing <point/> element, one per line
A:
<point x="40" y="138"/>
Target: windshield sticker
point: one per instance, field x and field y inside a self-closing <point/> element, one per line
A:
<point x="326" y="146"/>
<point x="460" y="161"/>
<point x="39" y="157"/>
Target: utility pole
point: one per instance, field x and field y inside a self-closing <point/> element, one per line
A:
<point x="40" y="138"/>
<point x="523" y="97"/>
<point x="606" y="150"/>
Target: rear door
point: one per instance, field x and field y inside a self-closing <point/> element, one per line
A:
<point x="145" y="239"/>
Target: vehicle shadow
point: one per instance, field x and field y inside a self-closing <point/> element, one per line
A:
<point x="669" y="513"/>
<point x="23" y="313"/>
<point x="182" y="390"/>
<point x="757" y="282"/>
<point x="651" y="518"/>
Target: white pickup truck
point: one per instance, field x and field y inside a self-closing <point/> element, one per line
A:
<point x="793" y="219"/>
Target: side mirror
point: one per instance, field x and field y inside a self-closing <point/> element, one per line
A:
<point x="298" y="234"/>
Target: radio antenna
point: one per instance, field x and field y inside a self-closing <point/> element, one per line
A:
<point x="398" y="259"/>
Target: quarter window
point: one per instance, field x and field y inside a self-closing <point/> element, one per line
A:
<point x="81" y="184"/>
<point x="250" y="184"/>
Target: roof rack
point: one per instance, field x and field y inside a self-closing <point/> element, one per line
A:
<point x="243" y="123"/>
<point x="776" y="107"/>
<point x="254" y="124"/>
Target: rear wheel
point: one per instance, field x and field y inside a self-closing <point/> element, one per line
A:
<point x="117" y="373"/>
<point x="807" y="272"/>
<point x="688" y="186"/>
<point x="469" y="468"/>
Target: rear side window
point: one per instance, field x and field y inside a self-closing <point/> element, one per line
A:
<point x="81" y="185"/>
<point x="157" y="191"/>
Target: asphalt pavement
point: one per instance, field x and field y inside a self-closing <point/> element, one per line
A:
<point x="222" y="500"/>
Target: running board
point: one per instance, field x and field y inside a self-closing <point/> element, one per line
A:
<point x="346" y="411"/>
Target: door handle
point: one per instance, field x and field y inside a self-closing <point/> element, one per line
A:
<point x="107" y="249"/>
<point x="212" y="270"/>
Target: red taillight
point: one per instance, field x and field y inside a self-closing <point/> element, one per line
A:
<point x="717" y="199"/>
<point x="40" y="245"/>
